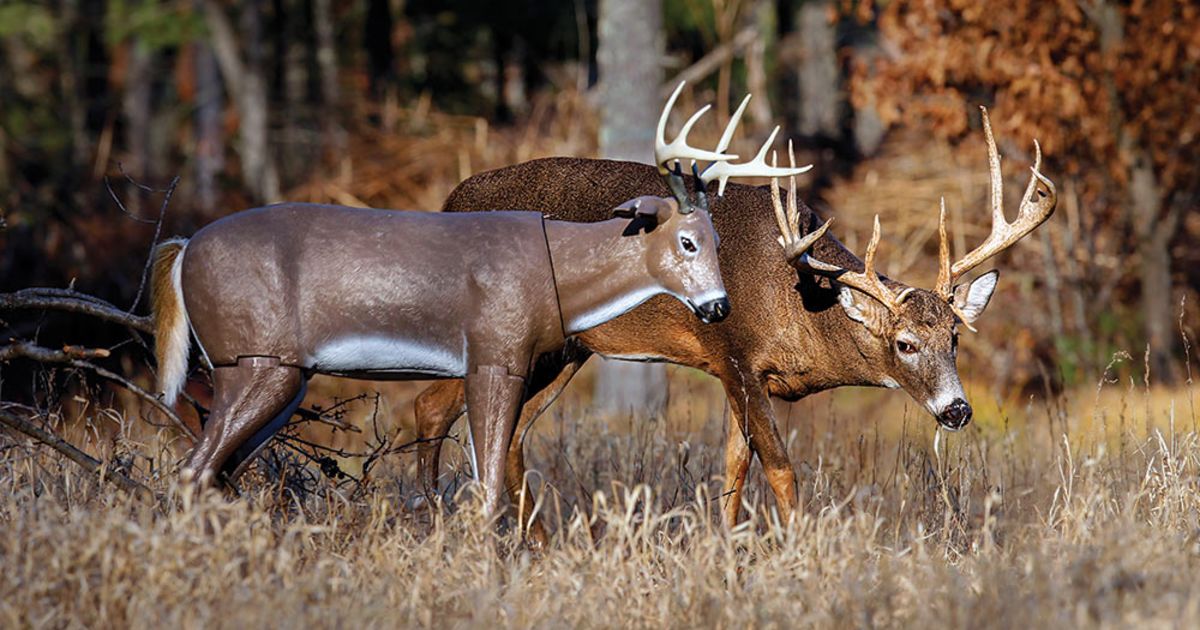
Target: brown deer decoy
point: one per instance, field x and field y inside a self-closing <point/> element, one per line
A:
<point x="810" y="320"/>
<point x="275" y="294"/>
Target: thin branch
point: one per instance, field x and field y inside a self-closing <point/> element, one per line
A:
<point x="162" y="213"/>
<point x="26" y="350"/>
<point x="74" y="302"/>
<point x="85" y="461"/>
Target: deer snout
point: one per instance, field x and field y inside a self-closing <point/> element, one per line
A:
<point x="956" y="415"/>
<point x="714" y="310"/>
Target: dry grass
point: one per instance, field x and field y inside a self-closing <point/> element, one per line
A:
<point x="1078" y="511"/>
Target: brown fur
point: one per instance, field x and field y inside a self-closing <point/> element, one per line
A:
<point x="787" y="336"/>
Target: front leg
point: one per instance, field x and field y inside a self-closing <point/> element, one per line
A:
<point x="494" y="397"/>
<point x="752" y="426"/>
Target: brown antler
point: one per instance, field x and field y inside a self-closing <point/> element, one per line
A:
<point x="796" y="247"/>
<point x="1036" y="206"/>
<point x="793" y="244"/>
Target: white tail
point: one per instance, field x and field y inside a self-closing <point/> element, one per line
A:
<point x="171" y="338"/>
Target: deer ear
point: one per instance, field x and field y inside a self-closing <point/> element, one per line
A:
<point x="864" y="309"/>
<point x="654" y="209"/>
<point x="970" y="299"/>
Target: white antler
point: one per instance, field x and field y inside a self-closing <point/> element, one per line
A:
<point x="678" y="149"/>
<point x="758" y="167"/>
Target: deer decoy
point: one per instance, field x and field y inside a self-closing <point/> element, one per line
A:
<point x="803" y="323"/>
<point x="273" y="295"/>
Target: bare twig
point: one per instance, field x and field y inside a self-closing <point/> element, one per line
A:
<point x="162" y="213"/>
<point x="26" y="350"/>
<point x="85" y="461"/>
<point x="73" y="301"/>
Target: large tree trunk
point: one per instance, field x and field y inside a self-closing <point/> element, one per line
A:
<point x="135" y="103"/>
<point x="327" y="67"/>
<point x="818" y="97"/>
<point x="1155" y="230"/>
<point x="377" y="38"/>
<point x="244" y="78"/>
<point x="630" y="47"/>
<point x="210" y="143"/>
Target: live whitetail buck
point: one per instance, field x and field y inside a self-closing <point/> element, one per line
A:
<point x="276" y="294"/>
<point x="825" y="320"/>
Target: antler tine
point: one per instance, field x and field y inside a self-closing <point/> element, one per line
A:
<point x="997" y="180"/>
<point x="793" y="244"/>
<point x="678" y="148"/>
<point x="1036" y="207"/>
<point x="944" y="280"/>
<point x="727" y="135"/>
<point x="866" y="281"/>
<point x="757" y="167"/>
<point x="793" y="211"/>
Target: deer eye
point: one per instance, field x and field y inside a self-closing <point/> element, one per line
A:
<point x="688" y="245"/>
<point x="905" y="347"/>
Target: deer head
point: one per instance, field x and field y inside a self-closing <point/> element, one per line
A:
<point x="910" y="336"/>
<point x="682" y="249"/>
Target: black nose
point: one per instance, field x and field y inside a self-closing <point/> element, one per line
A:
<point x="956" y="415"/>
<point x="714" y="311"/>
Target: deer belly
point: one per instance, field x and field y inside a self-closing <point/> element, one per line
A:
<point x="384" y="355"/>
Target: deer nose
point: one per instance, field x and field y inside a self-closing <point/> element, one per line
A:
<point x="956" y="415"/>
<point x="714" y="311"/>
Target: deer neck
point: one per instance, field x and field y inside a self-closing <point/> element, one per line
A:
<point x="598" y="271"/>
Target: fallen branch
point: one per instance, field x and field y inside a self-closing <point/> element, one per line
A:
<point x="85" y="461"/>
<point x="73" y="301"/>
<point x="70" y="356"/>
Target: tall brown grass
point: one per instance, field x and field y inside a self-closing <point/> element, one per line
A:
<point x="1076" y="511"/>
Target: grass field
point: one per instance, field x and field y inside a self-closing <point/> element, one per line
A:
<point x="1080" y="510"/>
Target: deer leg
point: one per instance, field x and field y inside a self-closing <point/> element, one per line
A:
<point x="737" y="464"/>
<point x="772" y="454"/>
<point x="246" y="397"/>
<point x="752" y="419"/>
<point x="514" y="474"/>
<point x="437" y="408"/>
<point x="494" y="397"/>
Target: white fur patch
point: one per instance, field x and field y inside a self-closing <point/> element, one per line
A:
<point x="890" y="383"/>
<point x="949" y="390"/>
<point x="640" y="358"/>
<point x="173" y="371"/>
<point x="625" y="303"/>
<point x="612" y="310"/>
<point x="377" y="353"/>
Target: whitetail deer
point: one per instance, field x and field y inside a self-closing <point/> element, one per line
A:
<point x="822" y="324"/>
<point x="276" y="294"/>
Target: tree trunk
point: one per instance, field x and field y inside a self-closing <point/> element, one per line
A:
<point x="210" y="145"/>
<point x="763" y="17"/>
<point x="818" y="95"/>
<point x="630" y="47"/>
<point x="1154" y="231"/>
<point x="135" y="105"/>
<point x="258" y="167"/>
<point x="377" y="36"/>
<point x="244" y="78"/>
<point x="327" y="67"/>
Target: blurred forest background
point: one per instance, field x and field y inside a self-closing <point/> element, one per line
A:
<point x="390" y="103"/>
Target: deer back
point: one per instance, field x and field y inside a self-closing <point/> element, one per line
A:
<point x="769" y="315"/>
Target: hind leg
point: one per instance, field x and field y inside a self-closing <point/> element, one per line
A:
<point x="246" y="397"/>
<point x="514" y="473"/>
<point x="437" y="408"/>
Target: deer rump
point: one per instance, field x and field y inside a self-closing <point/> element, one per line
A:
<point x="368" y="293"/>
